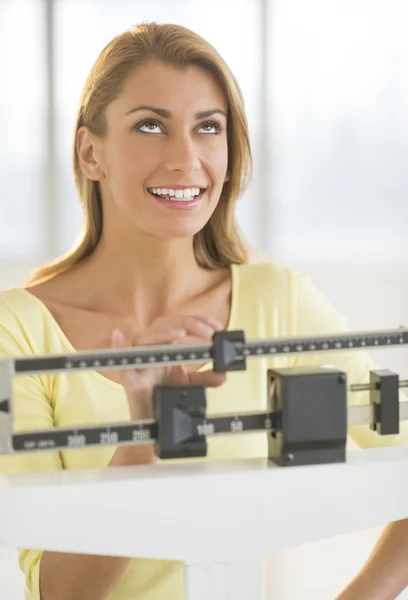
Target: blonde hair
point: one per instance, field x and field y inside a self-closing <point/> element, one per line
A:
<point x="219" y="243"/>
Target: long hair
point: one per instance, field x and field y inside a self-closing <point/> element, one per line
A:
<point x="219" y="243"/>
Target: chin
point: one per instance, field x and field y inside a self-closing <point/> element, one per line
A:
<point x="175" y="228"/>
<point x="177" y="233"/>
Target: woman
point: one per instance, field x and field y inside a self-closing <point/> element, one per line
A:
<point x="161" y="154"/>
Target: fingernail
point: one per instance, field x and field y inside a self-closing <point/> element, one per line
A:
<point x="217" y="324"/>
<point x="118" y="339"/>
<point x="178" y="333"/>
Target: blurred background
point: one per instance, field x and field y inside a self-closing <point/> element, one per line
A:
<point x="326" y="89"/>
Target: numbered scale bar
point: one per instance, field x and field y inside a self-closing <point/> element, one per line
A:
<point x="143" y="432"/>
<point x="224" y="350"/>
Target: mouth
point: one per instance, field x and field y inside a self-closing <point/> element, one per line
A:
<point x="178" y="198"/>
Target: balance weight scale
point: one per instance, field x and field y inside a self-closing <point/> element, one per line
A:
<point x="220" y="518"/>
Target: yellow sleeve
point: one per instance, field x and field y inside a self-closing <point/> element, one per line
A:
<point x="32" y="410"/>
<point x="315" y="315"/>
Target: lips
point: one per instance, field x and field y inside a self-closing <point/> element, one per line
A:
<point x="171" y="202"/>
<point x="177" y="193"/>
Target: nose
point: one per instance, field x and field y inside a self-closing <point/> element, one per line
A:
<point x="182" y="155"/>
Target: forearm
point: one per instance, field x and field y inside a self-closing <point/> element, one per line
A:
<point x="385" y="574"/>
<point x="71" y="576"/>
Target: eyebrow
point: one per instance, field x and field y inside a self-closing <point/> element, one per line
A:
<point x="167" y="115"/>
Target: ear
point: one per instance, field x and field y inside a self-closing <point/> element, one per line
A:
<point x="227" y="176"/>
<point x="88" y="155"/>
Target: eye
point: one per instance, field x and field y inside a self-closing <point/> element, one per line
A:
<point x="149" y="127"/>
<point x="212" y="127"/>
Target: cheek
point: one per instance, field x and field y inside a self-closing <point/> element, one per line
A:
<point x="217" y="159"/>
<point x="130" y="162"/>
<point x="138" y="161"/>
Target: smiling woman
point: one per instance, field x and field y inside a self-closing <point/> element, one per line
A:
<point x="161" y="155"/>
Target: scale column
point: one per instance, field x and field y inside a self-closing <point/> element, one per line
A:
<point x="6" y="405"/>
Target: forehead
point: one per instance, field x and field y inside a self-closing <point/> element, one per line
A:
<point x="175" y="89"/>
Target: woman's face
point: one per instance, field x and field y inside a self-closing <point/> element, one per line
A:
<point x="164" y="159"/>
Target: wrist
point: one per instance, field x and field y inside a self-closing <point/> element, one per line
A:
<point x="125" y="456"/>
<point x="141" y="404"/>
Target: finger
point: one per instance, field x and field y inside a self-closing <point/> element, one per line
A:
<point x="202" y="327"/>
<point x="132" y="379"/>
<point x="159" y="337"/>
<point x="177" y="376"/>
<point x="189" y="340"/>
<point x="207" y="378"/>
<point x="178" y="320"/>
<point x="118" y="339"/>
<point x="198" y="327"/>
<point x="214" y="323"/>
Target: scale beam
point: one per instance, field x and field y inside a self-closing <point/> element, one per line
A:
<point x="222" y="346"/>
<point x="145" y="432"/>
<point x="317" y="396"/>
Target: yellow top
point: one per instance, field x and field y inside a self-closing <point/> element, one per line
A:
<point x="268" y="300"/>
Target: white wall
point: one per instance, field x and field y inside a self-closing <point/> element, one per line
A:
<point x="370" y="298"/>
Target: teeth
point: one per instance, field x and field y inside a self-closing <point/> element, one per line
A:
<point x="186" y="194"/>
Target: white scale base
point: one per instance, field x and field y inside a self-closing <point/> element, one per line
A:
<point x="220" y="518"/>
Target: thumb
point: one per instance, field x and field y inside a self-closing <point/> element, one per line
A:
<point x="177" y="375"/>
<point x="207" y="378"/>
<point x="130" y="377"/>
<point x="118" y="339"/>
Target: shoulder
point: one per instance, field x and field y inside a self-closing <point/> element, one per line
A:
<point x="295" y="299"/>
<point x="266" y="297"/>
<point x="272" y="279"/>
<point x="22" y="322"/>
<point x="17" y="303"/>
<point x="286" y="299"/>
<point x="15" y="297"/>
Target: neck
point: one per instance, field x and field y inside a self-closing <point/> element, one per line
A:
<point x="144" y="276"/>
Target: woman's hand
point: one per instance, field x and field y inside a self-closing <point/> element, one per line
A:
<point x="139" y="383"/>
